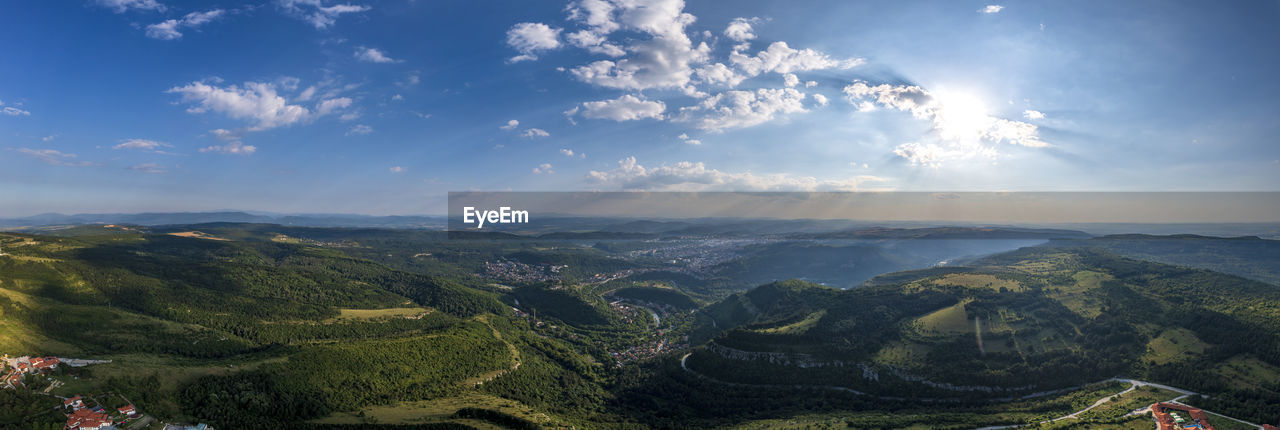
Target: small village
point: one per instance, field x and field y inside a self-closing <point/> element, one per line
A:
<point x="103" y="411"/>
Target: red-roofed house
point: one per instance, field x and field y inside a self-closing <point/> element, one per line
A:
<point x="128" y="410"/>
<point x="84" y="419"/>
<point x="74" y="403"/>
<point x="44" y="363"/>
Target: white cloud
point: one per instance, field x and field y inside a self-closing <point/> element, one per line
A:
<point x="142" y="144"/>
<point x="685" y="137"/>
<point x="959" y="119"/>
<point x="991" y="8"/>
<point x="821" y="99"/>
<point x="719" y="73"/>
<point x="329" y="106"/>
<point x="152" y="168"/>
<point x="529" y="38"/>
<point x="121" y="6"/>
<point x="569" y="153"/>
<point x="696" y="176"/>
<point x="625" y="108"/>
<point x="49" y="138"/>
<point x="736" y="109"/>
<point x="360" y="129"/>
<point x="234" y="147"/>
<point x="810" y="84"/>
<point x="790" y="79"/>
<point x="739" y="30"/>
<point x="544" y="168"/>
<point x="1032" y="114"/>
<point x="397" y="97"/>
<point x="511" y="125"/>
<point x="396" y="169"/>
<point x="53" y="157"/>
<point x="13" y="111"/>
<point x="316" y="13"/>
<point x="257" y="102"/>
<point x="168" y="29"/>
<point x="373" y="55"/>
<point x="535" y="133"/>
<point x="780" y="58"/>
<point x="664" y="59"/>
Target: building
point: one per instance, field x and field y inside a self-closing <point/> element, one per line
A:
<point x="44" y="363"/>
<point x="128" y="410"/>
<point x="74" y="403"/>
<point x="85" y="419"/>
<point x="1168" y="417"/>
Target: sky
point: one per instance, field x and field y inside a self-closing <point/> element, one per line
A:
<point x="382" y="107"/>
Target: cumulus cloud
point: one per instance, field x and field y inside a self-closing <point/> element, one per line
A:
<point x="13" y="111"/>
<point x="685" y="137"/>
<point x="316" y="13"/>
<point x="544" y="168"/>
<point x="529" y="38"/>
<point x="781" y="58"/>
<point x="169" y="29"/>
<point x="373" y="55"/>
<point x="739" y="30"/>
<point x="650" y="48"/>
<point x="962" y="126"/>
<point x="625" y="108"/>
<point x="535" y="133"/>
<point x="360" y="129"/>
<point x="122" y="6"/>
<point x="569" y="153"/>
<point x="511" y="125"/>
<point x="396" y="169"/>
<point x="956" y="122"/>
<point x="821" y="99"/>
<point x="233" y="144"/>
<point x="257" y="102"/>
<point x="737" y="109"/>
<point x="991" y="8"/>
<point x="696" y="176"/>
<point x="1032" y="114"/>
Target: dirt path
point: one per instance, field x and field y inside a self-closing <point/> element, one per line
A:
<point x="489" y="376"/>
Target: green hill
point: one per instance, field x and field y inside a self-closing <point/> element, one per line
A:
<point x="1024" y="321"/>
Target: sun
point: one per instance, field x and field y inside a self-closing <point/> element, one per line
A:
<point x="961" y="115"/>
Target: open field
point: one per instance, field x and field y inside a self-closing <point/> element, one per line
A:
<point x="371" y="314"/>
<point x="436" y="410"/>
<point x="197" y="235"/>
<point x="1174" y="345"/>
<point x="979" y="280"/>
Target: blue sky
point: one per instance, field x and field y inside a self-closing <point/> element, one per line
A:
<point x="381" y="107"/>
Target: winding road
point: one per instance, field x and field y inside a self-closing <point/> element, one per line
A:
<point x="1133" y="385"/>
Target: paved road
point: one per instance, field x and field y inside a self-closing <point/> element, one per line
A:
<point x="1133" y="384"/>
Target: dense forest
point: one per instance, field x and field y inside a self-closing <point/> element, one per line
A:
<point x="261" y="326"/>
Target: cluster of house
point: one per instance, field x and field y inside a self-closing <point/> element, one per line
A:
<point x="80" y="417"/>
<point x="24" y="365"/>
<point x="1169" y="416"/>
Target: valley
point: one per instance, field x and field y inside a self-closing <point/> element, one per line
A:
<point x="347" y="327"/>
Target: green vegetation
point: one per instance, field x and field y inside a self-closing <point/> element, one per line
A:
<point x="281" y="326"/>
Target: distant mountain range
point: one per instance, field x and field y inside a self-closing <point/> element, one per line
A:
<point x="170" y="218"/>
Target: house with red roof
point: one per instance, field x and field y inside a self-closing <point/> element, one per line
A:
<point x="73" y="403"/>
<point x="128" y="410"/>
<point x="85" y="419"/>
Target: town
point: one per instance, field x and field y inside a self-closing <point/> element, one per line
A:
<point x="100" y="411"/>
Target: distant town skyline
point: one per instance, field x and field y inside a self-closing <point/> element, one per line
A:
<point x="317" y="106"/>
